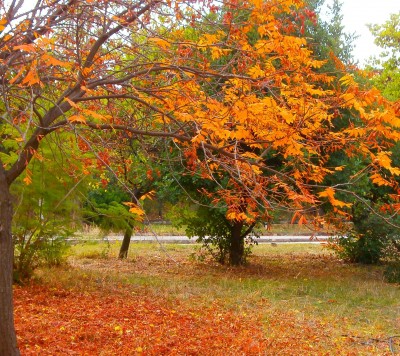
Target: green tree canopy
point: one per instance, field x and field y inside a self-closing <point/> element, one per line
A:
<point x="386" y="68"/>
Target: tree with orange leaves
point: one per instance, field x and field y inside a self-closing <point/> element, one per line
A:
<point x="228" y="100"/>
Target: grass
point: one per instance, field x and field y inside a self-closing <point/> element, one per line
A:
<point x="302" y="279"/>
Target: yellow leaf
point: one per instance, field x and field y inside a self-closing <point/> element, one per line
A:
<point x="160" y="42"/>
<point x="328" y="193"/>
<point x="19" y="74"/>
<point x="135" y="209"/>
<point x="287" y="116"/>
<point x="250" y="155"/>
<point x="256" y="72"/>
<point x="217" y="52"/>
<point x="232" y="215"/>
<point x="256" y="169"/>
<point x="208" y="39"/>
<point x="257" y="3"/>
<point x="149" y="195"/>
<point x="347" y="79"/>
<point x="383" y="159"/>
<point x="27" y="180"/>
<point x="77" y="118"/>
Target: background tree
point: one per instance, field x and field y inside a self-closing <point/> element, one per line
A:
<point x="375" y="230"/>
<point x="330" y="43"/>
<point x="386" y="68"/>
<point x="326" y="33"/>
<point x="130" y="177"/>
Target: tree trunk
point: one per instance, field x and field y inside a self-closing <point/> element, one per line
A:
<point x="123" y="252"/>
<point x="236" y="248"/>
<point x="8" y="340"/>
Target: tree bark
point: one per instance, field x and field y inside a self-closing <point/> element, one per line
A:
<point x="123" y="252"/>
<point x="8" y="340"/>
<point x="236" y="248"/>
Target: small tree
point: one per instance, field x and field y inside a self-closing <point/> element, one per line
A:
<point x="109" y="209"/>
<point x="47" y="210"/>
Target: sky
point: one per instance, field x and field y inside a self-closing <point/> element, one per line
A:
<point x="358" y="13"/>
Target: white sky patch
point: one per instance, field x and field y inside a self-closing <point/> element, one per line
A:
<point x="357" y="14"/>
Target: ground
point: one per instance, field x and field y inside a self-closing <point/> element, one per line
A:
<point x="290" y="299"/>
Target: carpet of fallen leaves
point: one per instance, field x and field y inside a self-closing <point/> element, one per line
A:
<point x="57" y="321"/>
<point x="153" y="305"/>
<point x="51" y="321"/>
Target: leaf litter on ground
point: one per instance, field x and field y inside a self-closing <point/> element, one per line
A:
<point x="152" y="306"/>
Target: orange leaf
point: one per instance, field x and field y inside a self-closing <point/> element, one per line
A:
<point x="149" y="195"/>
<point x="3" y="24"/>
<point x="330" y="194"/>
<point x="31" y="78"/>
<point x="50" y="60"/>
<point x="26" y="48"/>
<point x="77" y="118"/>
<point x="135" y="209"/>
<point x="70" y="102"/>
<point x="27" y="180"/>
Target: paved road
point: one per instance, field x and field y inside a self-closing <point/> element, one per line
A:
<point x="186" y="240"/>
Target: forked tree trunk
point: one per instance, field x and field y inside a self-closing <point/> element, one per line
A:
<point x="123" y="252"/>
<point x="236" y="251"/>
<point x="8" y="340"/>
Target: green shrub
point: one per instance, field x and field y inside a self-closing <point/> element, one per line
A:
<point x="356" y="248"/>
<point x="392" y="272"/>
<point x="213" y="230"/>
<point x="373" y="239"/>
<point x="41" y="245"/>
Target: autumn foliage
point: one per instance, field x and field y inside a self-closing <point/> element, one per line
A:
<point x="234" y="87"/>
<point x="229" y="85"/>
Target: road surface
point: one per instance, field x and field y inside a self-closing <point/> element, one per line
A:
<point x="186" y="240"/>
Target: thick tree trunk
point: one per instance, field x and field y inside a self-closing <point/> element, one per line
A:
<point x="8" y="340"/>
<point x="123" y="252"/>
<point x="236" y="251"/>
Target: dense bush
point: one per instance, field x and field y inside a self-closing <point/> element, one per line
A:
<point x="353" y="247"/>
<point x="213" y="230"/>
<point x="372" y="239"/>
